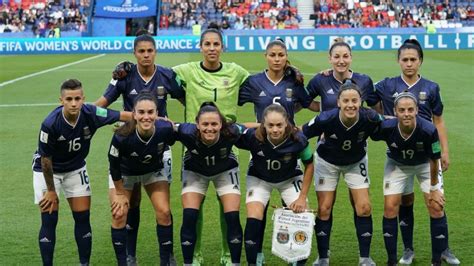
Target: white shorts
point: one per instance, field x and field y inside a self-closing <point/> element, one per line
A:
<point x="227" y="182"/>
<point x="146" y="179"/>
<point x="399" y="178"/>
<point x="73" y="184"/>
<point x="166" y="171"/>
<point x="261" y="190"/>
<point x="326" y="175"/>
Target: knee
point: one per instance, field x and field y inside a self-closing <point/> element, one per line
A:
<point x="435" y="210"/>
<point x="408" y="200"/>
<point x="390" y="211"/>
<point x="119" y="220"/>
<point x="163" y="216"/>
<point x="324" y="211"/>
<point x="363" y="209"/>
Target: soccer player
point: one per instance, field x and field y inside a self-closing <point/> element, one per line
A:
<point x="327" y="84"/>
<point x="129" y="80"/>
<point x="277" y="84"/>
<point x="342" y="150"/>
<point x="136" y="156"/>
<point x="219" y="82"/>
<point x="276" y="145"/>
<point x="209" y="157"/>
<point x="413" y="149"/>
<point x="59" y="164"/>
<point x="430" y="107"/>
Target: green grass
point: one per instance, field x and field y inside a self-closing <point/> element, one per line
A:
<point x="20" y="219"/>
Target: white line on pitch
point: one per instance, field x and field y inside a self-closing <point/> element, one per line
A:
<point x="49" y="70"/>
<point x="34" y="104"/>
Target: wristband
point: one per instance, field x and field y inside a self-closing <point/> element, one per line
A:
<point x="434" y="187"/>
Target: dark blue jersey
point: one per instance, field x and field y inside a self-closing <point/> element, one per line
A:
<point x="162" y="83"/>
<point x="327" y="88"/>
<point x="261" y="91"/>
<point x="342" y="145"/>
<point x="131" y="155"/>
<point x="419" y="147"/>
<point x="426" y="92"/>
<point x="271" y="163"/>
<point x="208" y="160"/>
<point x="69" y="145"/>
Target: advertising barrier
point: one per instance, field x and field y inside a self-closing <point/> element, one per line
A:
<point x="234" y="43"/>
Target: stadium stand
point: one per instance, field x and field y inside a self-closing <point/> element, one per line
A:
<point x="43" y="16"/>
<point x="393" y="14"/>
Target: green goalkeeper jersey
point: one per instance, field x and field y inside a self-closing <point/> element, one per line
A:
<point x="220" y="86"/>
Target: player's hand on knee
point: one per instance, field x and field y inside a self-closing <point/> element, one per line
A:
<point x="49" y="201"/>
<point x="119" y="206"/>
<point x="121" y="70"/>
<point x="437" y="197"/>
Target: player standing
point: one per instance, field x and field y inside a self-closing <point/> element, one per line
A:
<point x="327" y="84"/>
<point x="413" y="149"/>
<point x="276" y="147"/>
<point x="135" y="78"/>
<point x="209" y="157"/>
<point x="342" y="150"/>
<point x="430" y="106"/>
<point x="136" y="156"/>
<point x="280" y="84"/>
<point x="59" y="164"/>
<point x="211" y="81"/>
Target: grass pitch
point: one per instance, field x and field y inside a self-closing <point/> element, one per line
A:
<point x="25" y="103"/>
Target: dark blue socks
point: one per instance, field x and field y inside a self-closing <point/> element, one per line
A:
<point x="390" y="234"/>
<point x="47" y="236"/>
<point x="83" y="235"/>
<point x="188" y="234"/>
<point x="119" y="241"/>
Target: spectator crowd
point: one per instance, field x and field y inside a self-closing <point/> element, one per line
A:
<point x="393" y="14"/>
<point x="44" y="18"/>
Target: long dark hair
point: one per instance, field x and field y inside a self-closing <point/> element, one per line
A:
<point x="130" y="126"/>
<point x="290" y="130"/>
<point x="411" y="44"/>
<point x="210" y="107"/>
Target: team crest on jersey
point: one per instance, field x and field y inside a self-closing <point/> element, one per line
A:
<point x="160" y="91"/>
<point x="283" y="236"/>
<point x="160" y="147"/>
<point x="300" y="237"/>
<point x="420" y="146"/>
<point x="287" y="157"/>
<point x="223" y="152"/>
<point x="422" y="96"/>
<point x="360" y="136"/>
<point x="225" y="82"/>
<point x="86" y="132"/>
<point x="289" y="94"/>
